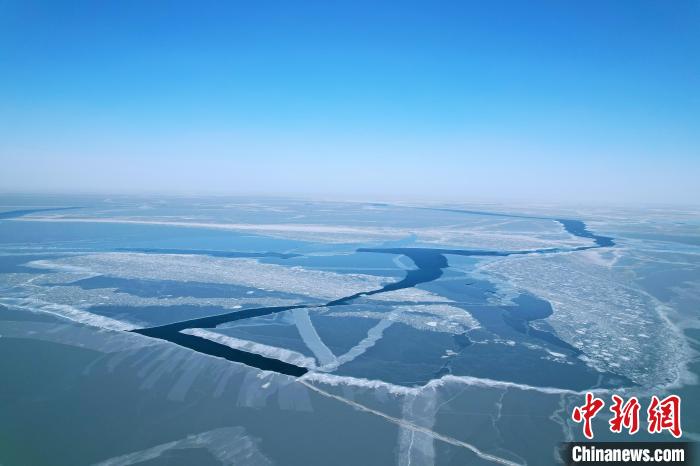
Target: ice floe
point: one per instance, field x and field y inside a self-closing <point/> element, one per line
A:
<point x="205" y="269"/>
<point x="281" y="354"/>
<point x="317" y="284"/>
<point x="599" y="311"/>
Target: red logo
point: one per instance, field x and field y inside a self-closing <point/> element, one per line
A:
<point x="587" y="412"/>
<point x="665" y="415"/>
<point x="626" y="415"/>
<point x="662" y="415"/>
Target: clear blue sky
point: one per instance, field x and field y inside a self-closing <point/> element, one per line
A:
<point x="570" y="100"/>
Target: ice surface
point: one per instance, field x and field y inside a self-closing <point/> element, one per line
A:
<point x="430" y="317"/>
<point x="281" y="354"/>
<point x="621" y="306"/>
<point x="245" y="272"/>
<point x="229" y="445"/>
<point x="252" y="273"/>
<point x="68" y="312"/>
<point x="496" y="235"/>
<point x="618" y="327"/>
